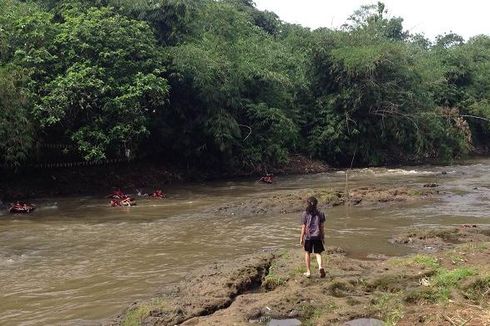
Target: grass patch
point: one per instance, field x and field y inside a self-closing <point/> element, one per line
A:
<point x="421" y="295"/>
<point x="389" y="308"/>
<point x="331" y="197"/>
<point x="475" y="247"/>
<point x="358" y="282"/>
<point x="450" y="234"/>
<point x="441" y="285"/>
<point x="419" y="260"/>
<point x="307" y="311"/>
<point x="426" y="261"/>
<point x="300" y="269"/>
<point x="444" y="281"/>
<point x="135" y="316"/>
<point x="315" y="313"/>
<point x="284" y="254"/>
<point x="478" y="291"/>
<point x="456" y="258"/>
<point x="272" y="280"/>
<point x="445" y="278"/>
<point x="388" y="283"/>
<point x="415" y="192"/>
<point x="352" y="301"/>
<point x="340" y="289"/>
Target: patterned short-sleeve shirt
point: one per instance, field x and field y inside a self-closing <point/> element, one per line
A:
<point x="312" y="223"/>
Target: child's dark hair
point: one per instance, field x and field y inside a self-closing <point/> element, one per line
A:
<point x="311" y="204"/>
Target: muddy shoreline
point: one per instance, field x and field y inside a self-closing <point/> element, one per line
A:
<point x="96" y="179"/>
<point x="446" y="285"/>
<point x="128" y="176"/>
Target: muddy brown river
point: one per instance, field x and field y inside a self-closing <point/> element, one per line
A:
<point x="76" y="261"/>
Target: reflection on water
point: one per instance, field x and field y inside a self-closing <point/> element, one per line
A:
<point x="76" y="261"/>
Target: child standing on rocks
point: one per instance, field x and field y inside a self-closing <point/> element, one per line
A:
<point x="312" y="234"/>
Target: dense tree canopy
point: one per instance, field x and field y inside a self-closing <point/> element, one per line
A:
<point x="222" y="84"/>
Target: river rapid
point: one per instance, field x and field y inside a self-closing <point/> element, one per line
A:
<point x="77" y="261"/>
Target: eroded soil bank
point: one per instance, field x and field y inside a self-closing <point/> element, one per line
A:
<point x="446" y="283"/>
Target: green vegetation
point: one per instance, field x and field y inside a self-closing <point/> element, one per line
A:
<point x="223" y="85"/>
<point x="313" y="314"/>
<point x="389" y="307"/>
<point x="340" y="289"/>
<point x="440" y="285"/>
<point x="419" y="259"/>
<point x="435" y="285"/>
<point x="474" y="247"/>
<point x="272" y="280"/>
<point x="479" y="290"/>
<point x="446" y="280"/>
<point x="135" y="316"/>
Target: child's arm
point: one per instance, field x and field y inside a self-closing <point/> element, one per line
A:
<point x="322" y="231"/>
<point x="302" y="236"/>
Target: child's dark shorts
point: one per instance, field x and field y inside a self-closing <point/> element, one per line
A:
<point x="314" y="245"/>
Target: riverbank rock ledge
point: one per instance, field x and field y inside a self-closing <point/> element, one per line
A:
<point x="446" y="287"/>
<point x="441" y="238"/>
<point x="293" y="201"/>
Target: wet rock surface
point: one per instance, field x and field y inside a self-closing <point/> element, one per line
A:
<point x="270" y="287"/>
<point x="431" y="240"/>
<point x="293" y="201"/>
<point x="284" y="322"/>
<point x="365" y="322"/>
<point x="204" y="291"/>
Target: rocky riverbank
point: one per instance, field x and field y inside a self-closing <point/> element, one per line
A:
<point x="293" y="201"/>
<point x="443" y="284"/>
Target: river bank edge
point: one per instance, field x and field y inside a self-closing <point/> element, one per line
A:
<point x="64" y="181"/>
<point x="446" y="281"/>
<point x="128" y="176"/>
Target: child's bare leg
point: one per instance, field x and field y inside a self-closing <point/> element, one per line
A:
<point x="319" y="260"/>
<point x="320" y="265"/>
<point x="307" y="262"/>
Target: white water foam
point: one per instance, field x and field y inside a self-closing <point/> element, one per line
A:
<point x="394" y="172"/>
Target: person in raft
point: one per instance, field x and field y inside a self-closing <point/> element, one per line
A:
<point x="128" y="201"/>
<point x="158" y="194"/>
<point x="268" y="178"/>
<point x="312" y="234"/>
